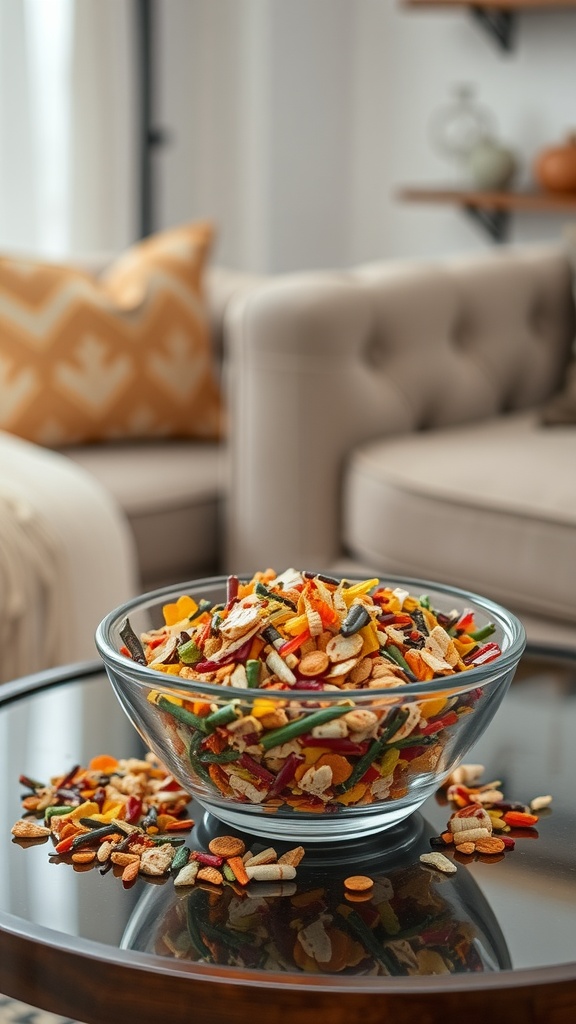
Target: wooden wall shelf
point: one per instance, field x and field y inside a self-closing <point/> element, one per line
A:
<point x="497" y="17"/>
<point x="492" y="209"/>
<point x="500" y="5"/>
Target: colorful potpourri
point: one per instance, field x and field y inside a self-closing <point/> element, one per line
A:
<point x="299" y="632"/>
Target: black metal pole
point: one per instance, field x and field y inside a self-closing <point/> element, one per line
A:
<point x="147" y="135"/>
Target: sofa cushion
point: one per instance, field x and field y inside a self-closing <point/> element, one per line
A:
<point x="127" y="355"/>
<point x="171" y="493"/>
<point x="490" y="507"/>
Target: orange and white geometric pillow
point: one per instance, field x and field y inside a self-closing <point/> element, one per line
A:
<point x="126" y="355"/>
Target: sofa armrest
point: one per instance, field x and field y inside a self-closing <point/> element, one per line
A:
<point x="322" y="361"/>
<point x="67" y="558"/>
<point x="221" y="286"/>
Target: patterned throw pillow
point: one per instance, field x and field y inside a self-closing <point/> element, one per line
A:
<point x="127" y="355"/>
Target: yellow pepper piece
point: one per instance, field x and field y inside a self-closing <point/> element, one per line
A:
<point x="256" y="648"/>
<point x="371" y="642"/>
<point x="86" y="810"/>
<point x="429" y="618"/>
<point x="313" y="754"/>
<point x="110" y="811"/>
<point x="357" y="589"/>
<point x="263" y="707"/>
<point x="183" y="608"/>
<point x="431" y="708"/>
<point x="353" y="795"/>
<point x="154" y="696"/>
<point x="168" y="670"/>
<point x="389" y="761"/>
<point x="296" y="625"/>
<point x="464" y="646"/>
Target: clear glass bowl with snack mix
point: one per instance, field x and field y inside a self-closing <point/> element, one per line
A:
<point x="297" y="705"/>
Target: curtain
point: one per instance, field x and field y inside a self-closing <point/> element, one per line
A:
<point x="68" y="124"/>
<point x="19" y="226"/>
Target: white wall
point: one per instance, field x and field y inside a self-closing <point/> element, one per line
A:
<point x="294" y="124"/>
<point x="258" y="96"/>
<point x="407" y="62"/>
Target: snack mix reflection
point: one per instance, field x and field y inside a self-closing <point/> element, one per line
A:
<point x="409" y="921"/>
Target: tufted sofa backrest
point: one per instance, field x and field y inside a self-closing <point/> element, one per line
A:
<point x="322" y="361"/>
<point x="473" y="336"/>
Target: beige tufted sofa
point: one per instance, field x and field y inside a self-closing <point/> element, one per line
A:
<point x="384" y="418"/>
<point x="388" y="417"/>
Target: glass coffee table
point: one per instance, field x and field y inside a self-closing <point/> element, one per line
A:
<point x="497" y="937"/>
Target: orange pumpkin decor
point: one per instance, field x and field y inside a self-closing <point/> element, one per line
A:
<point x="555" y="167"/>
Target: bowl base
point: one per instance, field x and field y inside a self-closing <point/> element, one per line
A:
<point x="381" y="848"/>
<point x="314" y="828"/>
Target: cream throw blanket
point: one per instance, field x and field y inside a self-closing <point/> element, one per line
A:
<point x="67" y="557"/>
<point x="34" y="611"/>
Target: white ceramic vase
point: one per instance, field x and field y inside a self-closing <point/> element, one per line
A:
<point x="490" y="164"/>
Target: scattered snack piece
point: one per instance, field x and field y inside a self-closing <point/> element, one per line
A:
<point x="130" y="872"/>
<point x="471" y="835"/>
<point x="438" y="861"/>
<point x="117" y="857"/>
<point x="227" y="846"/>
<point x="25" y="829"/>
<point x="358" y="883"/>
<point x="490" y="845"/>
<point x="466" y="848"/>
<point x="519" y="819"/>
<point x="134" y="827"/>
<point x="538" y="803"/>
<point x="83" y="857"/>
<point x="187" y="874"/>
<point x="268" y="856"/>
<point x="157" y="861"/>
<point x="292" y="857"/>
<point x="212" y="875"/>
<point x="481" y="810"/>
<point x="270" y="872"/>
<point x="465" y="775"/>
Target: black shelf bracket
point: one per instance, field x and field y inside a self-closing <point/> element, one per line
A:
<point x="494" y="222"/>
<point x="499" y="24"/>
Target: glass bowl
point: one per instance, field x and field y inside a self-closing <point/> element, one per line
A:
<point x="307" y="760"/>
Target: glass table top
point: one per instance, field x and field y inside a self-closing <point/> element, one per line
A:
<point x="511" y="912"/>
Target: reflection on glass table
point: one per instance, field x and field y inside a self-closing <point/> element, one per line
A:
<point x="414" y="920"/>
<point x="497" y="926"/>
